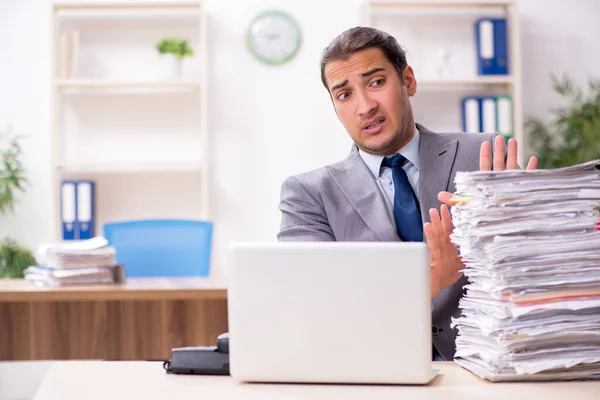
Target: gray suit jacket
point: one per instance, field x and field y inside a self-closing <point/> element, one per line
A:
<point x="342" y="202"/>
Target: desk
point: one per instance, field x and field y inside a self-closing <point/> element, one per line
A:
<point x="140" y="320"/>
<point x="139" y="380"/>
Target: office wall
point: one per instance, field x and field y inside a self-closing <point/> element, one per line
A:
<point x="266" y="122"/>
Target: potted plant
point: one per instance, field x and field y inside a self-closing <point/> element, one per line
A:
<point x="14" y="258"/>
<point x="172" y="51"/>
<point x="573" y="135"/>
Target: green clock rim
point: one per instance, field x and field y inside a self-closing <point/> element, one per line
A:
<point x="294" y="24"/>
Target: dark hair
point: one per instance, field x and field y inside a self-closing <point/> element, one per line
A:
<point x="360" y="38"/>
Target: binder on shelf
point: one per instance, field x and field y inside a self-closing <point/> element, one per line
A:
<point x="504" y="115"/>
<point x="487" y="114"/>
<point x="491" y="42"/>
<point x="471" y="114"/>
<point x="68" y="209"/>
<point x="85" y="209"/>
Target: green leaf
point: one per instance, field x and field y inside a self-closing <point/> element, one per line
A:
<point x="174" y="45"/>
<point x="573" y="135"/>
<point x="14" y="259"/>
<point x="12" y="172"/>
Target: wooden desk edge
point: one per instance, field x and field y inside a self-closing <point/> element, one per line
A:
<point x="107" y="295"/>
<point x="19" y="290"/>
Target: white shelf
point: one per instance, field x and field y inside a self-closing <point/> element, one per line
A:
<point x="143" y="140"/>
<point x="455" y="83"/>
<point x="94" y="84"/>
<point x="441" y="4"/>
<point x="132" y="167"/>
<point x="456" y="8"/>
<point x="152" y="15"/>
<point x="157" y="5"/>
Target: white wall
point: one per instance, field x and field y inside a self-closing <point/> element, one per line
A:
<point x="25" y="104"/>
<point x="266" y="122"/>
<point x="559" y="37"/>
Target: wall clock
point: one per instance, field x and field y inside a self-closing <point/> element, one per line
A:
<point x="274" y="37"/>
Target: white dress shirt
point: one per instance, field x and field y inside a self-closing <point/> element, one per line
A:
<point x="383" y="175"/>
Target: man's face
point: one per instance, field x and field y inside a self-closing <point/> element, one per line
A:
<point x="371" y="100"/>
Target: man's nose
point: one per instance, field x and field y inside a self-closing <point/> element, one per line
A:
<point x="366" y="104"/>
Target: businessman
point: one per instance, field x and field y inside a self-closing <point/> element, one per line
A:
<point x="397" y="181"/>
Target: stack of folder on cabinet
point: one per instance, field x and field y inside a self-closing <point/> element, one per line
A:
<point x="531" y="248"/>
<point x="89" y="261"/>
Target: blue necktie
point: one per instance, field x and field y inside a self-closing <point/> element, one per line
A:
<point x="406" y="206"/>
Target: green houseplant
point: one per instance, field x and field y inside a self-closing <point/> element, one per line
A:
<point x="176" y="46"/>
<point x="172" y="51"/>
<point x="14" y="258"/>
<point x="573" y="135"/>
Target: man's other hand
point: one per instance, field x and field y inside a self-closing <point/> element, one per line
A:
<point x="443" y="256"/>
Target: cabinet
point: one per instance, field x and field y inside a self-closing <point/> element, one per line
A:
<point x="119" y="120"/>
<point x="439" y="39"/>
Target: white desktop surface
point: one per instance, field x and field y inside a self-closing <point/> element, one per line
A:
<point x="75" y="380"/>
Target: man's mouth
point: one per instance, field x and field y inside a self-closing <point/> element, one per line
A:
<point x="375" y="124"/>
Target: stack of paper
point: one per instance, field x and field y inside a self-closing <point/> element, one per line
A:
<point x="531" y="248"/>
<point x="80" y="262"/>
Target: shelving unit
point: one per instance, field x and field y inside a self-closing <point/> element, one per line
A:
<point x="117" y="121"/>
<point x="429" y="31"/>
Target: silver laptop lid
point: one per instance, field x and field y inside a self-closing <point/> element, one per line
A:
<point x="330" y="312"/>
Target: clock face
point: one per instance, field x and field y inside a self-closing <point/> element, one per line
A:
<point x="274" y="37"/>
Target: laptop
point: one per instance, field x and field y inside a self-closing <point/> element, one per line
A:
<point x="336" y="312"/>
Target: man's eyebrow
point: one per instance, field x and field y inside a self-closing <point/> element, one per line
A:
<point x="372" y="71"/>
<point x="339" y="85"/>
<point x="369" y="72"/>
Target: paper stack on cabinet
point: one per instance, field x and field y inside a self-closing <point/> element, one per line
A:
<point x="89" y="261"/>
<point x="531" y="249"/>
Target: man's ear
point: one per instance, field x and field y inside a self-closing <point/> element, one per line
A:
<point x="408" y="76"/>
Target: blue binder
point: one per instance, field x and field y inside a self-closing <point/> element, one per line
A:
<point x="68" y="209"/>
<point x="492" y="46"/>
<point x="85" y="209"/>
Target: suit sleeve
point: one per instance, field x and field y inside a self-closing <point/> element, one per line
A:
<point x="303" y="218"/>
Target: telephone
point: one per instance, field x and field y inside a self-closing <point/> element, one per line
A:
<point x="200" y="360"/>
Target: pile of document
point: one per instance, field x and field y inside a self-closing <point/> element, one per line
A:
<point x="531" y="248"/>
<point x="89" y="261"/>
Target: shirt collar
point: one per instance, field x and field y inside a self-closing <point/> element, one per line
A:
<point x="410" y="151"/>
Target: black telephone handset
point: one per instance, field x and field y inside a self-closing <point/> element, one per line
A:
<point x="202" y="360"/>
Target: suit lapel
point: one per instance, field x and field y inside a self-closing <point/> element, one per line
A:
<point x="356" y="182"/>
<point x="437" y="155"/>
